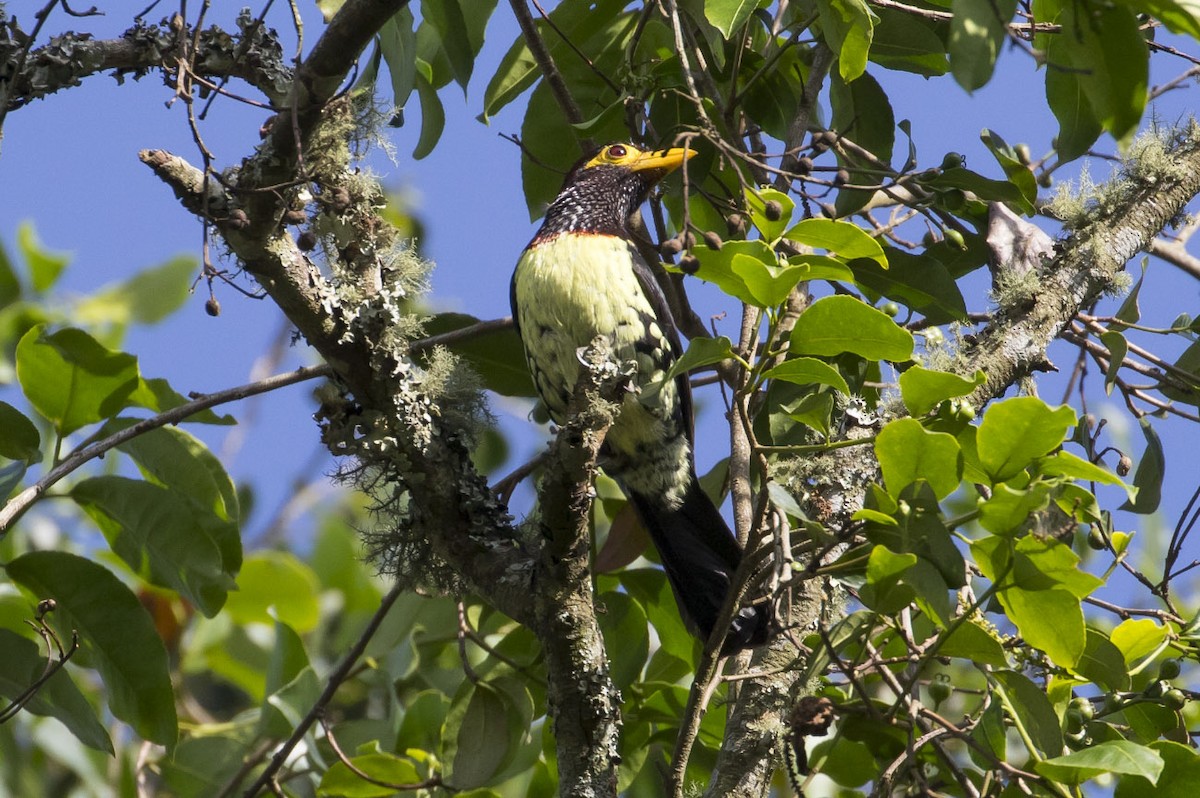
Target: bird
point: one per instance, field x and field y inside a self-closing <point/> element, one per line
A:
<point x="582" y="276"/>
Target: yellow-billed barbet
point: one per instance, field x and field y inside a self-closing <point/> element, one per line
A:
<point x="582" y="276"/>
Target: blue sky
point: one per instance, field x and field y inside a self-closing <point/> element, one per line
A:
<point x="69" y="164"/>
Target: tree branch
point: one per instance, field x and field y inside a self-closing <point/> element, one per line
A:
<point x="254" y="56"/>
<point x="398" y="428"/>
<point x="1144" y="199"/>
<point x="583" y="701"/>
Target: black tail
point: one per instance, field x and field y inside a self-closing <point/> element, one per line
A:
<point x="700" y="556"/>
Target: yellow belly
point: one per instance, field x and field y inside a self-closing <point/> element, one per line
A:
<point x="572" y="288"/>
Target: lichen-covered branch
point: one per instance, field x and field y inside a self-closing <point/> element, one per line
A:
<point x="1155" y="185"/>
<point x="354" y="316"/>
<point x="583" y="700"/>
<point x="253" y="55"/>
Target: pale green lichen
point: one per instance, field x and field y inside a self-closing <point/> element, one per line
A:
<point x="437" y="411"/>
<point x="1149" y="161"/>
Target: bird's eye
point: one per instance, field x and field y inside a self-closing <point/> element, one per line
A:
<point x="616" y="152"/>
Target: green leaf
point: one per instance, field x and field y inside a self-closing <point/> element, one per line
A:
<point x="1148" y="721"/>
<point x="716" y="267"/>
<point x="808" y="371"/>
<point x="398" y="45"/>
<point x="991" y="737"/>
<point x="769" y="285"/>
<point x="908" y="452"/>
<point x="156" y="532"/>
<point x="147" y="297"/>
<point x="884" y="592"/>
<point x="423" y="719"/>
<point x="1040" y="585"/>
<point x="701" y="352"/>
<point x="45" y="267"/>
<point x="1137" y="637"/>
<point x="275" y="585"/>
<point x="756" y="201"/>
<point x="837" y="324"/>
<point x="822" y="267"/>
<point x="924" y="389"/>
<point x="10" y="286"/>
<point x="977" y="31"/>
<point x="296" y="698"/>
<point x="10" y="477"/>
<point x="58" y="697"/>
<point x="728" y="16"/>
<point x="920" y="530"/>
<point x="1114" y="756"/>
<point x="1130" y="312"/>
<point x="550" y="144"/>
<point x="433" y="115"/>
<point x="909" y="43"/>
<point x="115" y="634"/>
<point x="1046" y="562"/>
<point x="1178" y="779"/>
<point x="813" y="410"/>
<point x="1017" y="171"/>
<point x="921" y="282"/>
<point x="1117" y="348"/>
<point x="1016" y="431"/>
<point x="844" y="239"/>
<point x="771" y="92"/>
<point x="626" y="635"/>
<point x="971" y="641"/>
<point x="1105" y="48"/>
<point x="984" y="188"/>
<point x="288" y="660"/>
<point x="19" y="438"/>
<point x="1065" y="464"/>
<point x="848" y="26"/>
<point x="1102" y="663"/>
<point x="478" y="735"/>
<point x="71" y="379"/>
<point x="848" y="762"/>
<point x="1007" y="509"/>
<point x="1189" y="363"/>
<point x="1179" y="16"/>
<point x="446" y="17"/>
<point x="649" y="586"/>
<point x="342" y="782"/>
<point x="1078" y="127"/>
<point x="179" y="461"/>
<point x="1029" y="704"/>
<point x="862" y="112"/>
<point x="1148" y="478"/>
<point x="329" y="8"/>
<point x="497" y="356"/>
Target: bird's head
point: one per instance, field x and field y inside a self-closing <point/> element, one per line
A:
<point x="605" y="188"/>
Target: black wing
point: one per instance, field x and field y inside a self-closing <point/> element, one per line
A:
<point x="658" y="303"/>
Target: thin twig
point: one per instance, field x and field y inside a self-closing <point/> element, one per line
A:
<point x="545" y="61"/>
<point x="17" y="505"/>
<point x="335" y="681"/>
